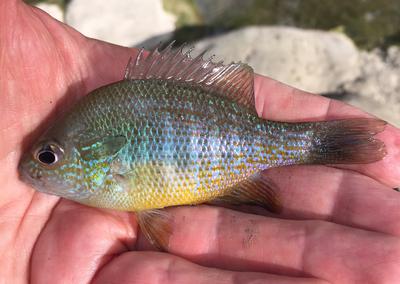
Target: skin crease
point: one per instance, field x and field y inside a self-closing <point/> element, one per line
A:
<point x="339" y="225"/>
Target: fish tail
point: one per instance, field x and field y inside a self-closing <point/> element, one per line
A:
<point x="347" y="142"/>
<point x="350" y="141"/>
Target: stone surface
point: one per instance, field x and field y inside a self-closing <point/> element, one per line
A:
<point x="124" y="22"/>
<point x="52" y="9"/>
<point x="315" y="61"/>
<point x="377" y="88"/>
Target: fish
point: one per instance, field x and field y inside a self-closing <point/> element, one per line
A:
<point x="182" y="130"/>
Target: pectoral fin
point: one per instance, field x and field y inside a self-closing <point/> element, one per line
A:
<point x="102" y="148"/>
<point x="156" y="226"/>
<point x="256" y="190"/>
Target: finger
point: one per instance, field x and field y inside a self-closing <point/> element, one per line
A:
<point x="277" y="101"/>
<point x="95" y="62"/>
<point x="227" y="239"/>
<point x="77" y="240"/>
<point x="153" y="267"/>
<point x="341" y="196"/>
<point x="65" y="66"/>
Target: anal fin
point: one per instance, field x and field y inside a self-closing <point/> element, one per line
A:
<point x="156" y="226"/>
<point x="256" y="190"/>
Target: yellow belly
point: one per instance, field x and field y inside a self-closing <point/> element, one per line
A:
<point x="158" y="185"/>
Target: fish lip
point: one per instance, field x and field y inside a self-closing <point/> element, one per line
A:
<point x="27" y="178"/>
<point x="40" y="185"/>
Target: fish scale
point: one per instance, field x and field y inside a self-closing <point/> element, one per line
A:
<point x="179" y="130"/>
<point x="167" y="127"/>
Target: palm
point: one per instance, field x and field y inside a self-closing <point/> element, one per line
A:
<point x="46" y="66"/>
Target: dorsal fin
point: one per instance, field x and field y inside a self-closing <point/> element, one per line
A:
<point x="234" y="80"/>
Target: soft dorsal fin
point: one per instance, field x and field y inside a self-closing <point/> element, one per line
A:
<point x="234" y="80"/>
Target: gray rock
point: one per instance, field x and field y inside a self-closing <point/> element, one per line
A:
<point x="124" y="22"/>
<point x="315" y="61"/>
<point x="377" y="88"/>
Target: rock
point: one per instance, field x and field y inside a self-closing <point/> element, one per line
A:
<point x="314" y="61"/>
<point x="52" y="9"/>
<point x="123" y="22"/>
<point x="377" y="88"/>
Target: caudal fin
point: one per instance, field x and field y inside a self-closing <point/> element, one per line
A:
<point x="348" y="142"/>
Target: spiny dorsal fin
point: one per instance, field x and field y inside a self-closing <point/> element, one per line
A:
<point x="234" y="80"/>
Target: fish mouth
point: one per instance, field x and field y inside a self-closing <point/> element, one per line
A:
<point x="28" y="177"/>
<point x="35" y="180"/>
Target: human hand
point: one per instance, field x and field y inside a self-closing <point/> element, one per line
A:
<point x="337" y="226"/>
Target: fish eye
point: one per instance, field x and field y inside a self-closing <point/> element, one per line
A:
<point x="49" y="154"/>
<point x="47" y="157"/>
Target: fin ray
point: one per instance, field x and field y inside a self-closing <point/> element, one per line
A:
<point x="256" y="190"/>
<point x="155" y="224"/>
<point x="98" y="149"/>
<point x="348" y="141"/>
<point x="234" y="80"/>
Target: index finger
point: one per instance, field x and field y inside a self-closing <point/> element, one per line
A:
<point x="277" y="101"/>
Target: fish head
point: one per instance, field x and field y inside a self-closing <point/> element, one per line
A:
<point x="71" y="160"/>
<point x="53" y="166"/>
